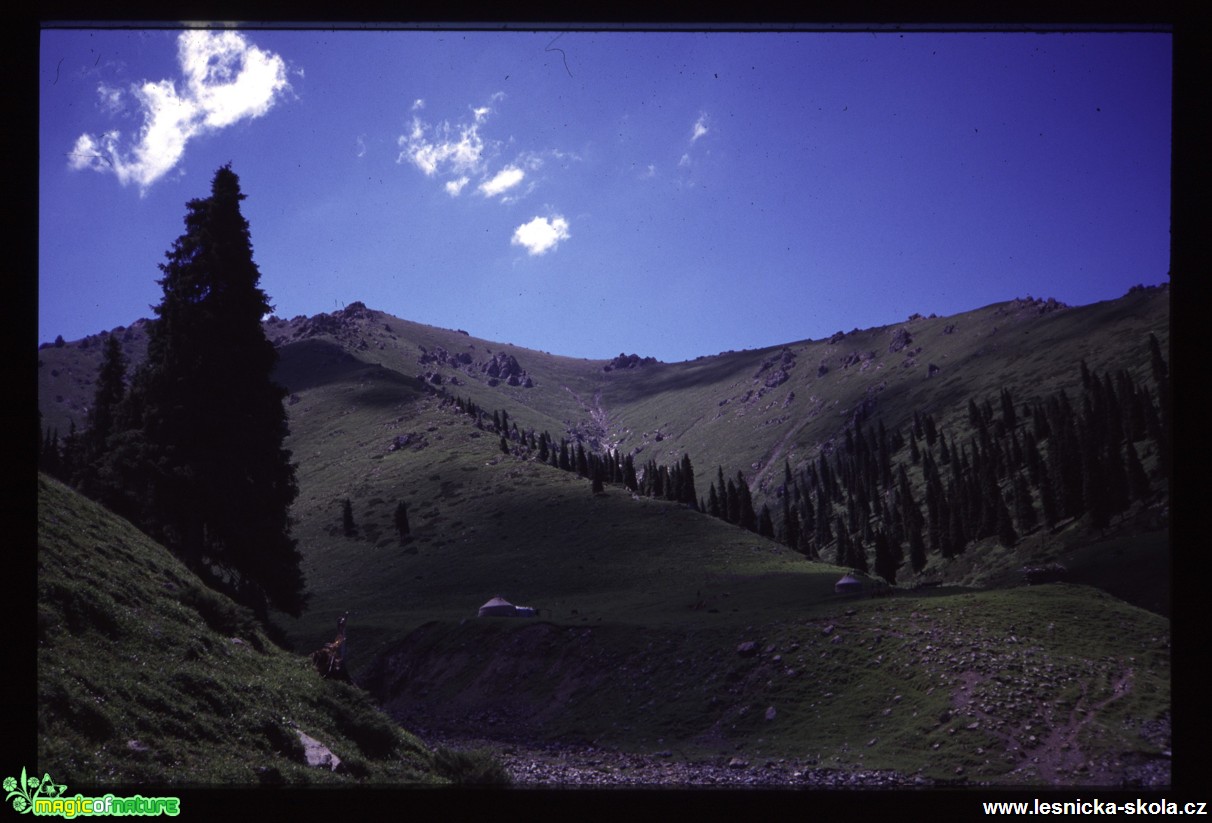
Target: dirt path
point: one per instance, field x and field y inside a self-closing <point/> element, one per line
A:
<point x="1050" y="746"/>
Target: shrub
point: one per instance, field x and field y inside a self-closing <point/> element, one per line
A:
<point x="464" y="768"/>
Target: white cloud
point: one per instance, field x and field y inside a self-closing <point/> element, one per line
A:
<point x="503" y="180"/>
<point x="361" y="142"/>
<point x="460" y="155"/>
<point x="700" y="128"/>
<point x="418" y="104"/>
<point x="685" y="161"/>
<point x="225" y="80"/>
<point x="111" y="99"/>
<point x="446" y="152"/>
<point x="541" y="235"/>
<point x="229" y="79"/>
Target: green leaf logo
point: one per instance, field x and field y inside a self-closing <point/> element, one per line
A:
<point x="22" y="792"/>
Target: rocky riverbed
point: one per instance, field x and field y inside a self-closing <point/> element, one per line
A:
<point x="561" y="765"/>
<point x="568" y="766"/>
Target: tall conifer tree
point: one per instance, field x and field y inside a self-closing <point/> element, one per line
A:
<point x="211" y="418"/>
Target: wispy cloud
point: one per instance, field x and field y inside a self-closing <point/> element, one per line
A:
<point x="700" y="128"/>
<point x="541" y="234"/>
<point x="456" y="150"/>
<point x="502" y="181"/>
<point x="448" y="152"/>
<point x="461" y="153"/>
<point x="224" y="80"/>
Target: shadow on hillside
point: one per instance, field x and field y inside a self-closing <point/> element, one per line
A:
<point x="627" y="386"/>
<point x="309" y="364"/>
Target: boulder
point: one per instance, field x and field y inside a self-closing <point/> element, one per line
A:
<point x="776" y="378"/>
<point x="900" y="339"/>
<point x="317" y="754"/>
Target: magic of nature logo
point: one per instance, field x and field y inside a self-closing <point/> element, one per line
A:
<point x="44" y="797"/>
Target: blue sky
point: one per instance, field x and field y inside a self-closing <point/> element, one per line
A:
<point x="591" y="193"/>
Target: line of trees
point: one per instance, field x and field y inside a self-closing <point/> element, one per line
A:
<point x="732" y="501"/>
<point x="1022" y="467"/>
<point x="675" y="483"/>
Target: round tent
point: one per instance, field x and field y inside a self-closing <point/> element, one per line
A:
<point x="849" y="584"/>
<point x="498" y="607"/>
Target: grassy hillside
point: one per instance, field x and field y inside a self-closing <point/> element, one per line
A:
<point x="147" y="677"/>
<point x="643" y="603"/>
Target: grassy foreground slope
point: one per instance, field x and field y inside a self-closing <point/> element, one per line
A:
<point x="147" y="677"/>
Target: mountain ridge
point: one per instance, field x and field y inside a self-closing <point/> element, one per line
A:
<point x="569" y="402"/>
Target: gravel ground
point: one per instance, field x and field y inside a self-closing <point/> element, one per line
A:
<point x="560" y="766"/>
<point x="535" y="765"/>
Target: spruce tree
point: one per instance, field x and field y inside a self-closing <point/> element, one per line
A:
<point x="401" y="519"/>
<point x="1138" y="481"/>
<point x="48" y="457"/>
<point x="732" y="504"/>
<point x="210" y="419"/>
<point x="103" y="418"/>
<point x="629" y="478"/>
<point x="858" y="555"/>
<point x="747" y="517"/>
<point x="1024" y="507"/>
<point x="886" y="561"/>
<point x="111" y="388"/>
<point x="765" y="522"/>
<point x="1006" y="534"/>
<point x="687" y="493"/>
<point x="843" y="543"/>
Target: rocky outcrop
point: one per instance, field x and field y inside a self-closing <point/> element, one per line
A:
<point x="505" y="368"/>
<point x="501" y="368"/>
<point x="412" y="440"/>
<point x="857" y="357"/>
<point x="628" y="361"/>
<point x="900" y="339"/>
<point x="776" y="369"/>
